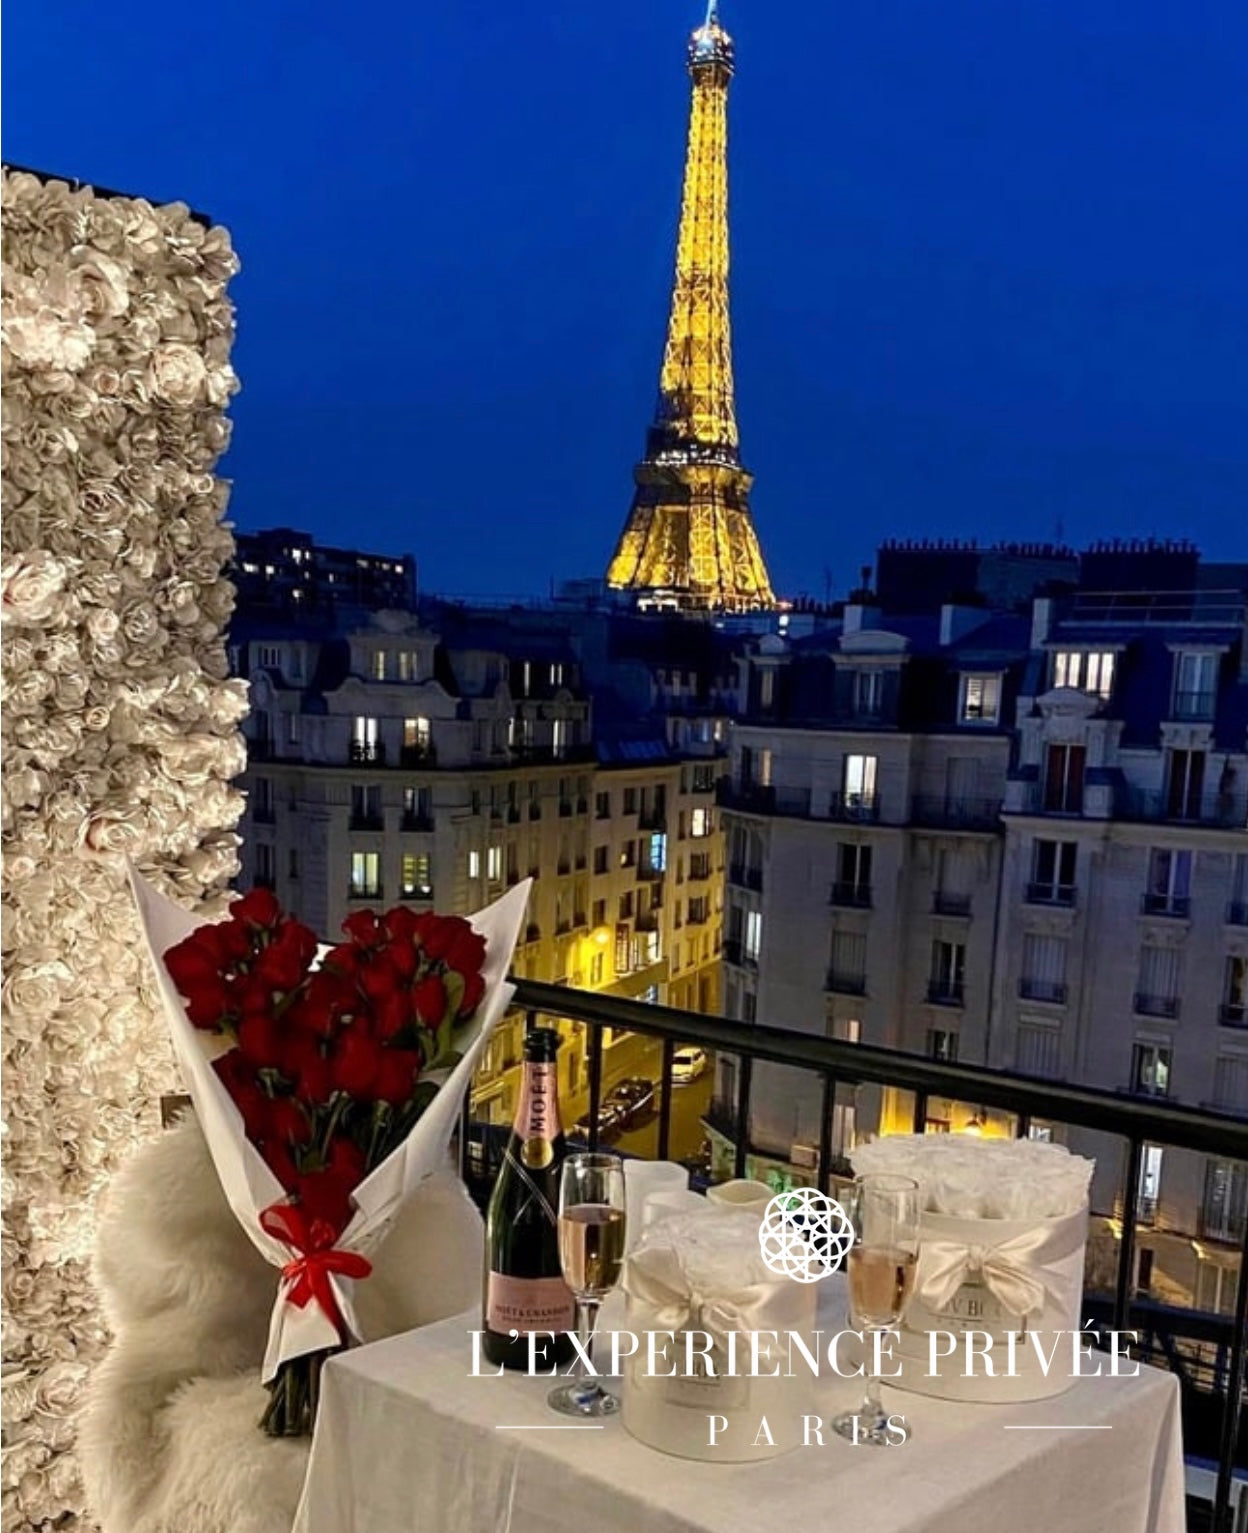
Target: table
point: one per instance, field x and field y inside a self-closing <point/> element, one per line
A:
<point x="407" y="1441"/>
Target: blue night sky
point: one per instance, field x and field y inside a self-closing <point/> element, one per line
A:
<point x="989" y="259"/>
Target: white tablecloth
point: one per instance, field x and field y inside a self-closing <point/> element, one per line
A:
<point x="407" y="1441"/>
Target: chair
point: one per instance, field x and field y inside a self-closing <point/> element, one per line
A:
<point x="169" y="1438"/>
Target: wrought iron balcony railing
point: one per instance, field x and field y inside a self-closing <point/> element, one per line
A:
<point x="417" y="755"/>
<point x="845" y="982"/>
<point x="735" y="953"/>
<point x="1051" y="894"/>
<point x="1138" y="1121"/>
<point x="850" y="896"/>
<point x="740" y="874"/>
<point x="1177" y="906"/>
<point x="1233" y="1014"/>
<point x="1050" y="990"/>
<point x="1156" y="1005"/>
<point x="953" y="812"/>
<point x="371" y="819"/>
<point x="944" y="992"/>
<point x="1226" y="811"/>
<point x="945" y="904"/>
<point x="366" y="753"/>
<point x="416" y="823"/>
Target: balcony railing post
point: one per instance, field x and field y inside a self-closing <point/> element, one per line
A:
<point x="1236" y="1387"/>
<point x="743" y="1114"/>
<point x="595" y="1083"/>
<point x="665" y="1101"/>
<point x="920" y="1112"/>
<point x="1126" y="1251"/>
<point x="827" y="1109"/>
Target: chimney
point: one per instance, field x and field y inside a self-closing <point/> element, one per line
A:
<point x="863" y="608"/>
<point x="1041" y="620"/>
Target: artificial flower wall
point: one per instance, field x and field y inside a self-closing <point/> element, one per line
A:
<point x="119" y="736"/>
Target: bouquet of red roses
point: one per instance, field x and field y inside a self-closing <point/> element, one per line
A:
<point x="331" y="1068"/>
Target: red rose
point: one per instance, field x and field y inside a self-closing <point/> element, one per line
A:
<point x="403" y="958"/>
<point x="257" y="908"/>
<point x="474" y="989"/>
<point x="364" y="929"/>
<point x="191" y="962"/>
<point x="401" y="925"/>
<point x="315" y="1085"/>
<point x="239" y="1079"/>
<point x="294" y="1050"/>
<point x="396" y="1076"/>
<point x="284" y="962"/>
<point x="346" y="1160"/>
<point x="260" y="1039"/>
<point x="249" y="993"/>
<point x="322" y="1002"/>
<point x="440" y="933"/>
<point x="326" y="1196"/>
<point x="343" y="959"/>
<point x="353" y="1064"/>
<point x="429" y="1001"/>
<point x="378" y="978"/>
<point x="225" y="942"/>
<point x="280" y="1162"/>
<point x="392" y="1014"/>
<point x="288" y="1121"/>
<point x="207" y="1001"/>
<point x="466" y="952"/>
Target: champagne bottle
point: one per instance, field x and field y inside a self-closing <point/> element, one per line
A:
<point x="524" y="1286"/>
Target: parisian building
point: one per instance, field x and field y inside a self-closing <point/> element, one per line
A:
<point x="1013" y="838"/>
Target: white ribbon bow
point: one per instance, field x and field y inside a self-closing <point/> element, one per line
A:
<point x="656" y="1281"/>
<point x="1009" y="1270"/>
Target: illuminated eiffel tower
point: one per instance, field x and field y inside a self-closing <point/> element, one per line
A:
<point x="689" y="541"/>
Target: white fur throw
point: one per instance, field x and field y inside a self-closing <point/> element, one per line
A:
<point x="169" y="1438"/>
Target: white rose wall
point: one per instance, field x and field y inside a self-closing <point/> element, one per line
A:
<point x="120" y="736"/>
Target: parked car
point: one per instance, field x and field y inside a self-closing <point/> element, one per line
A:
<point x="687" y="1065"/>
<point x="612" y="1118"/>
<point x="634" y="1096"/>
<point x="699" y="1165"/>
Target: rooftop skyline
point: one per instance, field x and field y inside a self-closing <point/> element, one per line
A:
<point x="986" y="263"/>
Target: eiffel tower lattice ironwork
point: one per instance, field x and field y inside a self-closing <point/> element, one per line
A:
<point x="689" y="540"/>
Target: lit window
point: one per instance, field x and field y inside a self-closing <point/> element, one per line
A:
<point x="379" y="665"/>
<point x="700" y="823"/>
<point x="494" y="864"/>
<point x="416" y="879"/>
<point x="416" y="734"/>
<point x="1085" y="670"/>
<point x="559" y="736"/>
<point x="474" y="864"/>
<point x="753" y="934"/>
<point x="1195" y="685"/>
<point x="366" y="874"/>
<point x="981" y="699"/>
<point x="658" y="852"/>
<point x="1150" y="1068"/>
<point x="859" y="781"/>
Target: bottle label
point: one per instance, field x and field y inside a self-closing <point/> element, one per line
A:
<point x="528" y="1304"/>
<point x="537" y="1115"/>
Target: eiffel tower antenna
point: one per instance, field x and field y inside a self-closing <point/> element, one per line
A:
<point x="689" y="540"/>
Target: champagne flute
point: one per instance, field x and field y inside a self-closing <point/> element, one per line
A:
<point x="885" y="1212"/>
<point x="591" y="1252"/>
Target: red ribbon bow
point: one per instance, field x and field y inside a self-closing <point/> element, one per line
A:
<point x="308" y="1274"/>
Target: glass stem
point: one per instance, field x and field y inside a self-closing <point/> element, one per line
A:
<point x="871" y="1401"/>
<point x="586" y="1315"/>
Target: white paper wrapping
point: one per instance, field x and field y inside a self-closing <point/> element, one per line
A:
<point x="248" y="1183"/>
<point x="704" y="1272"/>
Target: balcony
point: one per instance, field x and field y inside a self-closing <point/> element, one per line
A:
<point x="653" y="819"/>
<point x="415" y="823"/>
<point x="850" y="896"/>
<point x="944" y="904"/>
<point x="953" y="813"/>
<point x="1051" y="894"/>
<point x="366" y="753"/>
<point x="1050" y="991"/>
<point x="943" y="992"/>
<point x="842" y="982"/>
<point x="1225" y="811"/>
<point x="864" y="807"/>
<point x="1237" y="913"/>
<point x="1233" y="1014"/>
<point x="735" y="953"/>
<point x="648" y="873"/>
<point x="1147" y="1005"/>
<point x="416" y="891"/>
<point x="371" y="819"/>
<point x="364" y="892"/>
<point x="700" y="868"/>
<point x="753" y="798"/>
<point x="417" y="755"/>
<point x="1192" y="707"/>
<point x="1177" y="906"/>
<point x="649" y="922"/>
<point x="1112" y="1299"/>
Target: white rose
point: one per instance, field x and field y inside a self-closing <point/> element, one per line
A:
<point x="104" y="283"/>
<point x="177" y="374"/>
<point x="31" y="583"/>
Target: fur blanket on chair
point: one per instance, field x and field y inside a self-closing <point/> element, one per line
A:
<point x="169" y="1437"/>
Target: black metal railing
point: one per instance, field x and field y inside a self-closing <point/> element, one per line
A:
<point x="1176" y="905"/>
<point x="416" y="891"/>
<point x="415" y="822"/>
<point x="366" y="753"/>
<point x="1136" y="1120"/>
<point x="735" y="953"/>
<point x="366" y="819"/>
<point x="740" y="874"/>
<point x="946" y="992"/>
<point x="1051" y="990"/>
<point x="1156" y="1005"/>
<point x="953" y="812"/>
<point x="946" y="904"/>
<point x="1050" y="894"/>
<point x="1225" y="811"/>
<point x="1233" y="1014"/>
<point x="850" y="896"/>
<point x="845" y="982"/>
<point x="417" y="755"/>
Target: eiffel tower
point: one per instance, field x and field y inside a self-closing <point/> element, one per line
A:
<point x="689" y="541"/>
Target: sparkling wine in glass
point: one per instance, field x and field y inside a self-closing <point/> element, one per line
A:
<point x="592" y="1231"/>
<point x="885" y="1212"/>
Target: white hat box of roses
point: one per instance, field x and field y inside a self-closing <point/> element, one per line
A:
<point x="703" y="1273"/>
<point x="1001" y="1259"/>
